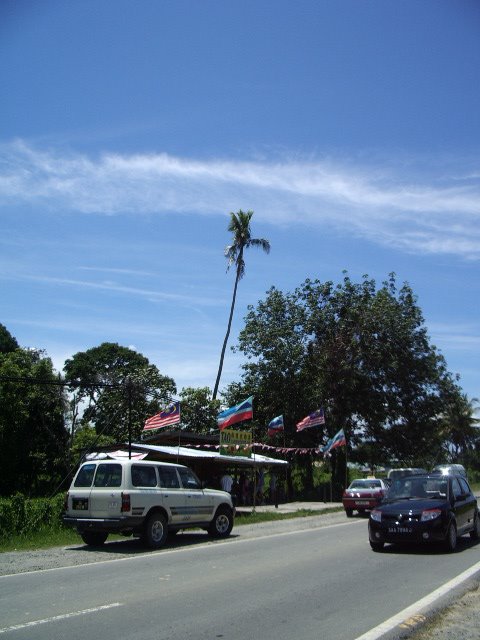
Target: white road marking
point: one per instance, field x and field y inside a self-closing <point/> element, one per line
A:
<point x="63" y="616"/>
<point x="416" y="608"/>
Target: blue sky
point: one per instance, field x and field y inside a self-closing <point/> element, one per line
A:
<point x="129" y="131"/>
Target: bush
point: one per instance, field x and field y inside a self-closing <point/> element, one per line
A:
<point x="20" y="515"/>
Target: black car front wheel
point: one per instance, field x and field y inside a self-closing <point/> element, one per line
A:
<point x="376" y="546"/>
<point x="451" y="539"/>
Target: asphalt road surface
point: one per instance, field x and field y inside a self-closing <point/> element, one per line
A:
<point x="299" y="579"/>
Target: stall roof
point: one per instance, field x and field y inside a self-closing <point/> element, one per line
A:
<point x="256" y="460"/>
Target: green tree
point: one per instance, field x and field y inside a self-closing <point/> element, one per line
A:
<point x="242" y="239"/>
<point x="460" y="427"/>
<point x="33" y="437"/>
<point x="198" y="411"/>
<point x="121" y="389"/>
<point x="410" y="377"/>
<point x="85" y="440"/>
<point x="275" y="344"/>
<point x="7" y="342"/>
<point x="371" y="359"/>
<point x="360" y="351"/>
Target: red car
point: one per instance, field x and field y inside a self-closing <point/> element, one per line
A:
<point x="363" y="495"/>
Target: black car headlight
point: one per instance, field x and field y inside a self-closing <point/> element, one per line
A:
<point x="430" y="514"/>
<point x="376" y="515"/>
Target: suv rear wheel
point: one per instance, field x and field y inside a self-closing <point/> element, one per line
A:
<point x="155" y="531"/>
<point x="94" y="538"/>
<point x="222" y="523"/>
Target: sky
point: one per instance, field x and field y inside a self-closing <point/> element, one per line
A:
<point x="129" y="130"/>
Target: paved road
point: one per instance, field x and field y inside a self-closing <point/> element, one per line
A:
<point x="306" y="578"/>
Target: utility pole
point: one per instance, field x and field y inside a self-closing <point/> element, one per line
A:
<point x="128" y="385"/>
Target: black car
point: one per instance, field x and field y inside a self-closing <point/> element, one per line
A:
<point x="428" y="508"/>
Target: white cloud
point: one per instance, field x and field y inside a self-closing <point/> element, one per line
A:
<point x="459" y="337"/>
<point x="433" y="214"/>
<point x="152" y="295"/>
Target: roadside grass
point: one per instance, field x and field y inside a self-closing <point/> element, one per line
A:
<point x="258" y="517"/>
<point x="41" y="539"/>
<point x="62" y="537"/>
<point x="45" y="539"/>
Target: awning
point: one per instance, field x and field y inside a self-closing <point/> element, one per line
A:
<point x="256" y="460"/>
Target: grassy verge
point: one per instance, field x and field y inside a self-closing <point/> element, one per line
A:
<point x="41" y="539"/>
<point x="46" y="538"/>
<point x="257" y="517"/>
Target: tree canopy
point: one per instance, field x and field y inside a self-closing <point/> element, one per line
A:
<point x="198" y="411"/>
<point x="121" y="389"/>
<point x="33" y="438"/>
<point x="361" y="352"/>
<point x="7" y="342"/>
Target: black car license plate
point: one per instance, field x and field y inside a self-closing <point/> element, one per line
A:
<point x="399" y="530"/>
<point x="80" y="504"/>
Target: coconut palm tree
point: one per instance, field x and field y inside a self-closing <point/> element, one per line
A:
<point x="462" y="424"/>
<point x="239" y="226"/>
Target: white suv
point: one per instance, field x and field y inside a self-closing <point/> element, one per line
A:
<point x="143" y="498"/>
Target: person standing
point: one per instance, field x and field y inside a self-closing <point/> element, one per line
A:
<point x="273" y="489"/>
<point x="260" y="483"/>
<point x="227" y="482"/>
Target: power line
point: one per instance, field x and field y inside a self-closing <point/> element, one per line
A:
<point x="60" y="383"/>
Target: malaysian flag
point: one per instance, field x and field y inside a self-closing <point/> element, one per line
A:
<point x="168" y="416"/>
<point x="313" y="420"/>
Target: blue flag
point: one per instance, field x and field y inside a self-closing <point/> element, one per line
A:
<point x="238" y="413"/>
<point x="275" y="426"/>
<point x="338" y="440"/>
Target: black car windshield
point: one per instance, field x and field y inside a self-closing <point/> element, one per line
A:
<point x="419" y="487"/>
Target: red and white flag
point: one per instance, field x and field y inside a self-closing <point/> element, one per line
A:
<point x="168" y="416"/>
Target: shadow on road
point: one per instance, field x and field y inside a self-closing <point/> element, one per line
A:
<point x="429" y="549"/>
<point x="134" y="546"/>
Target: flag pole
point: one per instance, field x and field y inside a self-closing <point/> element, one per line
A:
<point x="346" y="465"/>
<point x="254" y="469"/>
<point x="129" y="396"/>
<point x="285" y="484"/>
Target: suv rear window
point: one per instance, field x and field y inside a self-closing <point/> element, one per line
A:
<point x="143" y="476"/>
<point x="108" y="475"/>
<point x="85" y="476"/>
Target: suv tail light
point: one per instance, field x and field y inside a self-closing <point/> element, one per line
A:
<point x="125" y="502"/>
<point x="65" y="502"/>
